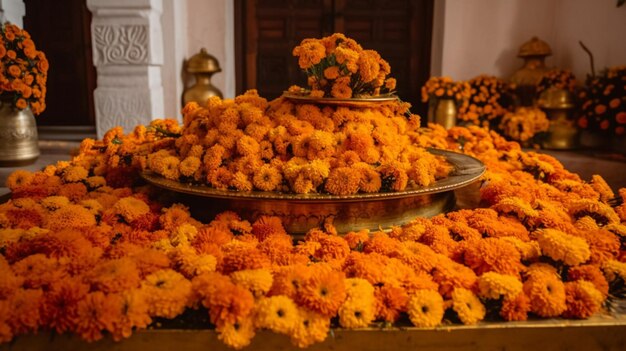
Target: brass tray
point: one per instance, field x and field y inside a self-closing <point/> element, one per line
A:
<point x="352" y="102"/>
<point x="301" y="212"/>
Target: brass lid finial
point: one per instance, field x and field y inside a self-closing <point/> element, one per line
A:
<point x="534" y="47"/>
<point x="203" y="62"/>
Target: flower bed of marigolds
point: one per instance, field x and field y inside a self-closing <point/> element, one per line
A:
<point x="87" y="248"/>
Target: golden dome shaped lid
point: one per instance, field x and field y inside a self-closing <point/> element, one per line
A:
<point x="534" y="47"/>
<point x="555" y="98"/>
<point x="203" y="62"/>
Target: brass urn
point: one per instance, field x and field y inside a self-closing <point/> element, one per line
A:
<point x="202" y="66"/>
<point x="442" y="111"/>
<point x="526" y="79"/>
<point x="18" y="136"/>
<point x="558" y="104"/>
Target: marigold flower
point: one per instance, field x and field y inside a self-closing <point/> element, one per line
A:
<point x="267" y="178"/>
<point x="189" y="165"/>
<point x="227" y="302"/>
<point x="167" y="293"/>
<point x="582" y="299"/>
<point x="18" y="179"/>
<point x="493" y="285"/>
<point x="425" y="308"/>
<point x="266" y="226"/>
<point x="613" y="270"/>
<point x="563" y="247"/>
<point x="131" y="312"/>
<point x="24" y="316"/>
<point x="546" y="293"/>
<point x="95" y="314"/>
<point x="258" y="281"/>
<point x="590" y="273"/>
<point x="311" y="327"/>
<point x="467" y="306"/>
<point x="75" y="174"/>
<point x="390" y="302"/>
<point x="59" y="309"/>
<point x="602" y="213"/>
<point x="357" y="313"/>
<point x="237" y="334"/>
<point x="241" y="258"/>
<point x="493" y="255"/>
<point x="322" y="292"/>
<point x="343" y="181"/>
<point x="515" y="308"/>
<point x="131" y="208"/>
<point x="277" y="313"/>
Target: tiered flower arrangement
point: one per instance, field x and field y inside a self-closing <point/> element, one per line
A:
<point x="524" y="124"/>
<point x="446" y="88"/>
<point x="87" y="250"/>
<point x="247" y="144"/>
<point x="557" y="78"/>
<point x="23" y="70"/>
<point x="604" y="102"/>
<point x="338" y="67"/>
<point x="490" y="99"/>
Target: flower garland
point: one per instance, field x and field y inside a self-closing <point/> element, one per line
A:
<point x="85" y="248"/>
<point x="24" y="69"/>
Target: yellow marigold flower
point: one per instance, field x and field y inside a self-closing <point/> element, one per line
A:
<point x="277" y="313"/>
<point x="343" y="181"/>
<point x="258" y="281"/>
<point x="368" y="65"/>
<point x="582" y="299"/>
<point x="19" y="178"/>
<point x="547" y="294"/>
<point x="359" y="288"/>
<point x="92" y="205"/>
<point x="529" y="250"/>
<point x="167" y="293"/>
<point x="341" y="90"/>
<point x="53" y="203"/>
<point x="563" y="247"/>
<point x="311" y="328"/>
<point x="357" y="313"/>
<point x="310" y="52"/>
<point x="70" y="216"/>
<point x="600" y="185"/>
<point x="617" y="229"/>
<point x="267" y="178"/>
<point x="241" y="182"/>
<point x="467" y="306"/>
<point x="238" y="334"/>
<point x="183" y="234"/>
<point x="586" y="223"/>
<point x="189" y="166"/>
<point x="492" y="285"/>
<point x="169" y="168"/>
<point x="425" y="308"/>
<point x="131" y="208"/>
<point x="75" y="174"/>
<point x="614" y="269"/>
<point x="191" y="263"/>
<point x="95" y="182"/>
<point x="521" y="208"/>
<point x="603" y="214"/>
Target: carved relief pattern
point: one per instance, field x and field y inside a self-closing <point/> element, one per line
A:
<point x="121" y="44"/>
<point x="124" y="110"/>
<point x="24" y="133"/>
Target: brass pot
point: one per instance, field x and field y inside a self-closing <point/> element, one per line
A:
<point x="558" y="104"/>
<point x="442" y="111"/>
<point x="18" y="136"/>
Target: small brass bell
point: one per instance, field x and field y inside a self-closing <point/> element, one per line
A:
<point x="202" y="65"/>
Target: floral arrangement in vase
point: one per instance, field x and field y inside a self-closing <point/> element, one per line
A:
<point x="338" y="67"/>
<point x="490" y="99"/>
<point x="604" y="102"/>
<point x="446" y="88"/>
<point x="23" y="70"/>
<point x="557" y="78"/>
<point x="524" y="124"/>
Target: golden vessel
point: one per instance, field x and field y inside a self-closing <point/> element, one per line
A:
<point x="526" y="79"/>
<point x="558" y="105"/>
<point x="202" y="66"/>
<point x="18" y="136"/>
<point x="443" y="112"/>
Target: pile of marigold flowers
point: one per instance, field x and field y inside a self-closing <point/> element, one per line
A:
<point x="246" y="144"/>
<point x="559" y="79"/>
<point x="490" y="98"/>
<point x="446" y="88"/>
<point x="338" y="67"/>
<point x="87" y="248"/>
<point x="23" y="69"/>
<point x="524" y="124"/>
<point x="604" y="102"/>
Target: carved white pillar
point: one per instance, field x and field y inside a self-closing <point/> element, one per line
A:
<point x="13" y="11"/>
<point x="127" y="45"/>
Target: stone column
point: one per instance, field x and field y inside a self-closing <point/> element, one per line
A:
<point x="13" y="11"/>
<point x="127" y="45"/>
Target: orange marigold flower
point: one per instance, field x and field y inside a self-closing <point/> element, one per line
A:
<point x="227" y="302"/>
<point x="257" y="281"/>
<point x="356" y="239"/>
<point x="582" y="299"/>
<point x="24" y="316"/>
<point x="59" y="309"/>
<point x="277" y="313"/>
<point x="493" y="255"/>
<point x="390" y="302"/>
<point x="546" y="293"/>
<point x="357" y="312"/>
<point x="131" y="311"/>
<point x="38" y="271"/>
<point x="131" y="208"/>
<point x="467" y="306"/>
<point x="237" y="334"/>
<point x="73" y="174"/>
<point x="268" y="178"/>
<point x="450" y="275"/>
<point x="343" y="181"/>
<point x="563" y="247"/>
<point x="189" y="165"/>
<point x="425" y="308"/>
<point x="111" y="276"/>
<point x="323" y="292"/>
<point x="167" y="293"/>
<point x="18" y="179"/>
<point x="515" y="308"/>
<point x="602" y="213"/>
<point x="604" y="245"/>
<point x="240" y="258"/>
<point x="96" y="313"/>
<point x="590" y="273"/>
<point x="493" y="285"/>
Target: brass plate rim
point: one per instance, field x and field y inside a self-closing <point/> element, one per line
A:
<point x="467" y="169"/>
<point x="356" y="102"/>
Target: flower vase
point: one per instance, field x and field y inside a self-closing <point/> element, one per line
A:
<point x="443" y="112"/>
<point x="18" y="136"/>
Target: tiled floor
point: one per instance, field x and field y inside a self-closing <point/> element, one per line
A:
<point x="611" y="167"/>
